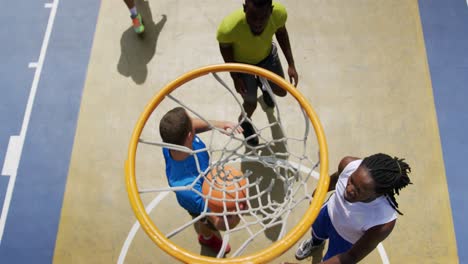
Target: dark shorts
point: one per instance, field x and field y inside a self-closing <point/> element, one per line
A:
<point x="271" y="63"/>
<point x="323" y="229"/>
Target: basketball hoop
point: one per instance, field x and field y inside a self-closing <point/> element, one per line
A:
<point x="290" y="168"/>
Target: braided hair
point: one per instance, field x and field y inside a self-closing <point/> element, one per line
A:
<point x="389" y="174"/>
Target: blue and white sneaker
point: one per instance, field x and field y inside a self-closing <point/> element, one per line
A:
<point x="306" y="248"/>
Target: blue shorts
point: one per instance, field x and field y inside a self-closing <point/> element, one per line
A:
<point x="323" y="229"/>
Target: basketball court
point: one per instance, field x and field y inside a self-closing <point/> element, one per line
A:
<point x="382" y="76"/>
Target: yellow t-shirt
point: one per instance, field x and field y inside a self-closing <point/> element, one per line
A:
<point x="247" y="47"/>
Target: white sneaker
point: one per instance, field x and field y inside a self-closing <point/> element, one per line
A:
<point x="306" y="248"/>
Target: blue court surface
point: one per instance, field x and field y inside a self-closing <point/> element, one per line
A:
<point x="45" y="53"/>
<point x="46" y="50"/>
<point x="446" y="36"/>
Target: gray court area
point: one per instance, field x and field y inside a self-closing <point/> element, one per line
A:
<point x="362" y="66"/>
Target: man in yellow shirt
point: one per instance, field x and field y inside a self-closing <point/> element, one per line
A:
<point x="246" y="36"/>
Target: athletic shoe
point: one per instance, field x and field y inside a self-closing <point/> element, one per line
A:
<point x="266" y="96"/>
<point x="249" y="131"/>
<point x="138" y="24"/>
<point x="215" y="243"/>
<point x="306" y="248"/>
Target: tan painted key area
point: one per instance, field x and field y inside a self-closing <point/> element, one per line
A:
<point x="362" y="65"/>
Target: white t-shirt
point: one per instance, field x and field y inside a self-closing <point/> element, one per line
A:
<point x="351" y="220"/>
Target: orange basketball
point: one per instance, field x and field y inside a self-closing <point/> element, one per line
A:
<point x="226" y="184"/>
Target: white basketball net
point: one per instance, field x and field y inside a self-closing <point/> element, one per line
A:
<point x="289" y="172"/>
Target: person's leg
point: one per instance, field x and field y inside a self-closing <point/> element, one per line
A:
<point x="336" y="244"/>
<point x="137" y="21"/>
<point x="208" y="237"/>
<point x="273" y="64"/>
<point x="250" y="98"/>
<point x="249" y="104"/>
<point x="130" y="4"/>
<point x="319" y="232"/>
<point x="205" y="230"/>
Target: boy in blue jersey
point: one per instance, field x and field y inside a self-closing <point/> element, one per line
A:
<point x="178" y="128"/>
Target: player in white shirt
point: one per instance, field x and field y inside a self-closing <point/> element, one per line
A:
<point x="362" y="212"/>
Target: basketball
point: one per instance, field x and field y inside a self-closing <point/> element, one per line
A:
<point x="221" y="188"/>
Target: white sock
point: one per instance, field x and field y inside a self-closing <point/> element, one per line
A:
<point x="133" y="11"/>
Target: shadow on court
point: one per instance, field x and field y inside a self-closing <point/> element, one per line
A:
<point x="138" y="50"/>
<point x="259" y="170"/>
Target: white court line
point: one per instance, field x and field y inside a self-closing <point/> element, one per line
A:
<point x="136" y="226"/>
<point x="155" y="202"/>
<point x="380" y="248"/>
<point x="382" y="253"/>
<point x="15" y="146"/>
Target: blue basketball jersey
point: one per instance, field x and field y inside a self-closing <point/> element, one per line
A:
<point x="184" y="172"/>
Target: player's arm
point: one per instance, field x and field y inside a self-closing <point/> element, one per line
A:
<point x="364" y="245"/>
<point x="227" y="51"/>
<point x="201" y="126"/>
<point x="283" y="39"/>
<point x="334" y="177"/>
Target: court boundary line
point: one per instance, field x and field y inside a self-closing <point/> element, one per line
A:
<point x="16" y="143"/>
<point x="136" y="226"/>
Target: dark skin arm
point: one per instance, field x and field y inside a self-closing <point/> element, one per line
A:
<point x="228" y="55"/>
<point x="283" y="40"/>
<point x="200" y="126"/>
<point x="334" y="177"/>
<point x="364" y="245"/>
<point x="227" y="52"/>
